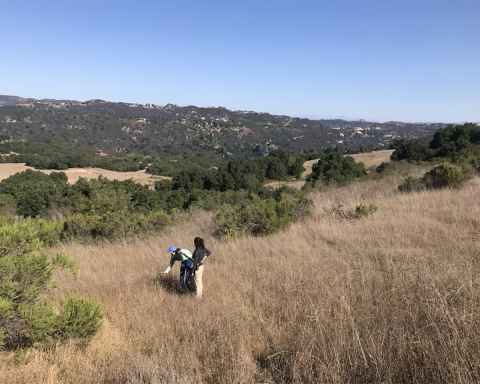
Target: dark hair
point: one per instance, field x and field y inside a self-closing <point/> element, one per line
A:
<point x="199" y="243"/>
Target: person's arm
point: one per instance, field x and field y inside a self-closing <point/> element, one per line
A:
<point x="196" y="261"/>
<point x="206" y="253"/>
<point x="172" y="261"/>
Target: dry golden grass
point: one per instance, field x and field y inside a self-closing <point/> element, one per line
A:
<point x="297" y="184"/>
<point x="393" y="298"/>
<point x="73" y="174"/>
<point x="373" y="159"/>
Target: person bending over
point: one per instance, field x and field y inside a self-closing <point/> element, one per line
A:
<point x="186" y="263"/>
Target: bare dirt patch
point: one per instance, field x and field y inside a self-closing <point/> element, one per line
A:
<point x="73" y="174"/>
<point x="7" y="170"/>
<point x="308" y="167"/>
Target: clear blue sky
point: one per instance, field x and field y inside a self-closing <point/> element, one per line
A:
<point x="409" y="60"/>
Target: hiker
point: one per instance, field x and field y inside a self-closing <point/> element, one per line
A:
<point x="186" y="263"/>
<point x="199" y="256"/>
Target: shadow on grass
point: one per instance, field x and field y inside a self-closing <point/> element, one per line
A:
<point x="168" y="283"/>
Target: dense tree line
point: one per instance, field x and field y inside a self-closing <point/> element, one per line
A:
<point x="457" y="143"/>
<point x="238" y="174"/>
<point x="456" y="151"/>
<point x="104" y="208"/>
<point x="64" y="156"/>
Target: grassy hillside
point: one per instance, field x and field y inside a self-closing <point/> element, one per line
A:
<point x="390" y="298"/>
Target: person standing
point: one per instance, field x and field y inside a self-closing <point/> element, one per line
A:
<point x="199" y="257"/>
<point x="186" y="263"/>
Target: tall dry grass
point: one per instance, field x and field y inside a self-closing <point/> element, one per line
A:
<point x="393" y="298"/>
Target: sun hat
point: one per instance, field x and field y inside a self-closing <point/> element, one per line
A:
<point x="172" y="249"/>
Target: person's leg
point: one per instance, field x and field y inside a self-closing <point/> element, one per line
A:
<point x="198" y="281"/>
<point x="188" y="270"/>
<point x="183" y="270"/>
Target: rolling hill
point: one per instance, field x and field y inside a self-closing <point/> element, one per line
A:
<point x="172" y="130"/>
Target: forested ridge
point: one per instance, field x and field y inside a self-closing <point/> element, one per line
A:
<point x="213" y="133"/>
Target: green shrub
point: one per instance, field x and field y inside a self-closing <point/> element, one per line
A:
<point x="364" y="210"/>
<point x="19" y="239"/>
<point x="444" y="175"/>
<point x="411" y="184"/>
<point x="155" y="221"/>
<point x="77" y="226"/>
<point x="79" y="318"/>
<point x="109" y="225"/>
<point x="8" y="204"/>
<point x="28" y="232"/>
<point x="468" y="159"/>
<point x="260" y="217"/>
<point x="38" y="320"/>
<point x="382" y="167"/>
<point x="27" y="318"/>
<point x="361" y="210"/>
<point x="7" y="219"/>
<point x="226" y="221"/>
<point x="338" y="211"/>
<point x="114" y="224"/>
<point x="21" y="357"/>
<point x="47" y="231"/>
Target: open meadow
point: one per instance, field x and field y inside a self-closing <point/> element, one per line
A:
<point x="73" y="174"/>
<point x="391" y="298"/>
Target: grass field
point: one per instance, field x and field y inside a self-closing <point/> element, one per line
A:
<point x="393" y="298"/>
<point x="73" y="174"/>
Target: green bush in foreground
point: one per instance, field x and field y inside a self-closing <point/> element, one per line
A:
<point x="27" y="318"/>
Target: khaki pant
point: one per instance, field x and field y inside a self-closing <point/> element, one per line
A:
<point x="198" y="281"/>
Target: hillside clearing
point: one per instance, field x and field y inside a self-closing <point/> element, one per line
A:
<point x="371" y="161"/>
<point x="73" y="174"/>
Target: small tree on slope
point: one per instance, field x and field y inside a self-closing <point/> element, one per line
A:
<point x="27" y="317"/>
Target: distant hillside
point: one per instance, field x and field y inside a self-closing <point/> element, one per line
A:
<point x="11" y="100"/>
<point x="212" y="132"/>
